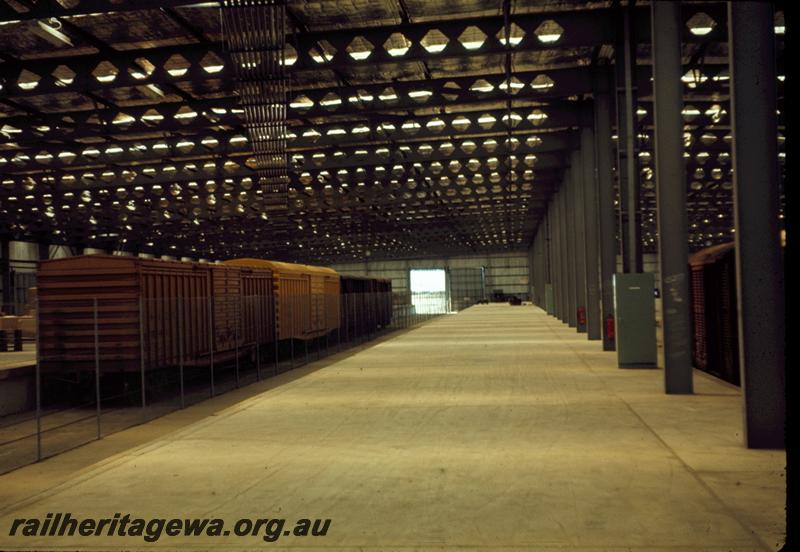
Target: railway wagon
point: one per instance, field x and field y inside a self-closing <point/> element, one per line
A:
<point x="715" y="343"/>
<point x="385" y="303"/>
<point x="150" y="313"/>
<point x="306" y="297"/>
<point x="366" y="304"/>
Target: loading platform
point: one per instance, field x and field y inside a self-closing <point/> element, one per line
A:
<point x="496" y="428"/>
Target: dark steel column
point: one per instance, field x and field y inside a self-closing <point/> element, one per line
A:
<point x="7" y="300"/>
<point x="564" y="246"/>
<point x="540" y="249"/>
<point x="552" y="218"/>
<point x="558" y="251"/>
<point x="759" y="263"/>
<point x="627" y="162"/>
<point x="540" y="253"/>
<point x="43" y="251"/>
<point x="532" y="270"/>
<point x="593" y="312"/>
<point x="548" y="267"/>
<point x="569" y="226"/>
<point x="673" y="238"/>
<point x="607" y="223"/>
<point x="579" y="218"/>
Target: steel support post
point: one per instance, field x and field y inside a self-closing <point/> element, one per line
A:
<point x="211" y="337"/>
<point x="562" y="244"/>
<point x="38" y="384"/>
<point x="673" y="239"/>
<point x="340" y="317"/>
<point x="291" y="313"/>
<point x="540" y="277"/>
<point x="543" y="252"/>
<point x="551" y="231"/>
<point x="537" y="268"/>
<point x="543" y="265"/>
<point x="142" y="366"/>
<point x="533" y="269"/>
<point x="572" y="245"/>
<point x="591" y="245"/>
<point x="607" y="222"/>
<point x="552" y="216"/>
<point x="548" y="269"/>
<point x="236" y="341"/>
<point x="258" y="305"/>
<point x="562" y="202"/>
<point x="275" y="336"/>
<point x="181" y="313"/>
<point x="579" y="225"/>
<point x="346" y="319"/>
<point x="97" y="370"/>
<point x="559" y="235"/>
<point x="627" y="166"/>
<point x="555" y="211"/>
<point x="759" y="263"/>
<point x="7" y="277"/>
<point x="540" y="264"/>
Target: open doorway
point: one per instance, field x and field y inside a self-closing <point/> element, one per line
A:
<point x="429" y="291"/>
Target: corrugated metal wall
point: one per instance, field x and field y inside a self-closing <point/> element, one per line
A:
<point x="507" y="272"/>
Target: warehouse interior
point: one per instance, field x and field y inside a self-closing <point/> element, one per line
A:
<point x="430" y="274"/>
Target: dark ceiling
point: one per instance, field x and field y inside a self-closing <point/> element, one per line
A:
<point x="120" y="125"/>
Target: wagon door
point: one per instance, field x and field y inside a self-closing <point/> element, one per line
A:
<point x="257" y="306"/>
<point x="227" y="308"/>
<point x="295" y="308"/>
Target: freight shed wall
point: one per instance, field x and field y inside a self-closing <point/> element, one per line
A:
<point x="507" y="272"/>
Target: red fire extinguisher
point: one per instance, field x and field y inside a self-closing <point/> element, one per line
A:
<point x="610" y="327"/>
<point x="581" y="316"/>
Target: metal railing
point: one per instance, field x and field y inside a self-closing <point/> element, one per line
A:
<point x="101" y="365"/>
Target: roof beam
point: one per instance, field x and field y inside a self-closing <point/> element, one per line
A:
<point x="193" y="151"/>
<point x="91" y="124"/>
<point x="584" y="28"/>
<point x="42" y="10"/>
<point x="129" y="155"/>
<point x="200" y="173"/>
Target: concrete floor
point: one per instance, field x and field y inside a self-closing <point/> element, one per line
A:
<point x="497" y="428"/>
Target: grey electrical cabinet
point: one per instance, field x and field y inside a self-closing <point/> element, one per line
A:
<point x="634" y="306"/>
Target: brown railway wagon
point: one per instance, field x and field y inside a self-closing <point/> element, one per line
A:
<point x="306" y="297"/>
<point x="366" y="305"/>
<point x="715" y="343"/>
<point x="385" y="302"/>
<point x="227" y="291"/>
<point x="173" y="300"/>
<point x="183" y="311"/>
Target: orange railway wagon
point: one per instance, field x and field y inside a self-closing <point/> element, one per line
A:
<point x="306" y="297"/>
<point x="151" y="312"/>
